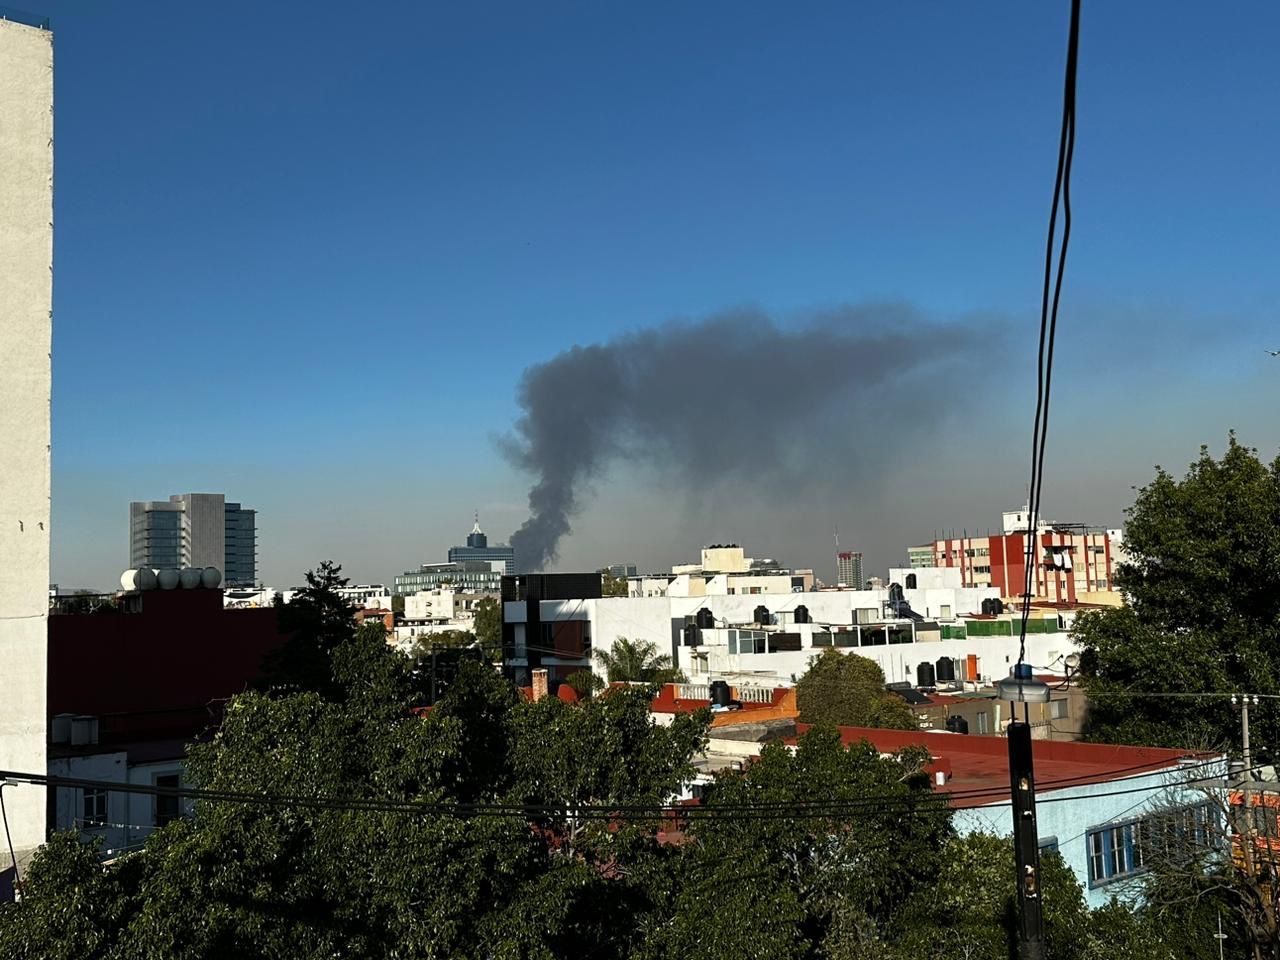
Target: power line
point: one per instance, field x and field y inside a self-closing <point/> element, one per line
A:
<point x="1049" y="317"/>
<point x="738" y="810"/>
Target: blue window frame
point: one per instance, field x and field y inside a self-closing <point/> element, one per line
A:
<point x="1120" y="850"/>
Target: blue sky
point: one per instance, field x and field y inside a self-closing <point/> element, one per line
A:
<point x="304" y="252"/>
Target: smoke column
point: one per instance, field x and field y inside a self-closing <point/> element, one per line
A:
<point x="732" y="395"/>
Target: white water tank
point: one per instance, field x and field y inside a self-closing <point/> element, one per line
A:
<point x="189" y="578"/>
<point x="129" y="580"/>
<point x="210" y="577"/>
<point x="168" y="579"/>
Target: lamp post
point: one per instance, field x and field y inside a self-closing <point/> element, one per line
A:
<point x="1021" y="687"/>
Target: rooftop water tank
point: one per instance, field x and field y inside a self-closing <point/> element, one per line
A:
<point x="945" y="670"/>
<point x="925" y="676"/>
<point x="189" y="578"/>
<point x="168" y="579"/>
<point x="210" y="577"/>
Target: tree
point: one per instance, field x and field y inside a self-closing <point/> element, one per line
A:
<point x="637" y="661"/>
<point x="1202" y="588"/>
<point x="317" y="620"/>
<point x="488" y="627"/>
<point x="611" y="586"/>
<point x="835" y="877"/>
<point x="848" y="690"/>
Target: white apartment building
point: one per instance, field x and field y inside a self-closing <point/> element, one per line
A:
<point x="768" y="639"/>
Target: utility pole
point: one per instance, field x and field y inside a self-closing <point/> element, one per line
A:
<point x="1026" y="842"/>
<point x="1246" y="839"/>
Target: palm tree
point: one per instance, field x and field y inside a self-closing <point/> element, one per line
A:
<point x="637" y="661"/>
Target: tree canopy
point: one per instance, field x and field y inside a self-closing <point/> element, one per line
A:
<point x="848" y="690"/>
<point x="1202" y="614"/>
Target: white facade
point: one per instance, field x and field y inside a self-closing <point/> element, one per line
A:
<point x="122" y="820"/>
<point x="370" y="596"/>
<point x="843" y="619"/>
<point x="26" y="325"/>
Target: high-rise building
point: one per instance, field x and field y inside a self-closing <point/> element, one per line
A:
<point x="26" y="327"/>
<point x="195" y="530"/>
<point x="478" y="548"/>
<point x="849" y="569"/>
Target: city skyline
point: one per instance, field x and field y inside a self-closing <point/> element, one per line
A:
<point x="429" y="210"/>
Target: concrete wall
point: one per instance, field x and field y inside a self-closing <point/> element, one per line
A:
<point x="26" y="305"/>
<point x="206" y="522"/>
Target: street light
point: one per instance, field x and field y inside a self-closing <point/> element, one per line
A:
<point x="1022" y="687"/>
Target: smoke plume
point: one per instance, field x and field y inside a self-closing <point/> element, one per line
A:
<point x="733" y="396"/>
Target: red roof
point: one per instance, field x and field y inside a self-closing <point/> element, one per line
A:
<point x="974" y="763"/>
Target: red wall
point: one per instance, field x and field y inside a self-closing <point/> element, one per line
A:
<point x="180" y="651"/>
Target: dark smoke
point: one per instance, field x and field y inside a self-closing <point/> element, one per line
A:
<point x="735" y="395"/>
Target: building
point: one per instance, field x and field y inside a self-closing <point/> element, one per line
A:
<point x="26" y="327"/>
<point x="724" y="570"/>
<point x="547" y="622"/>
<point x="477" y="576"/>
<point x="769" y="638"/>
<point x="438" y="611"/>
<point x="1091" y="798"/>
<point x="478" y="549"/>
<point x="365" y="595"/>
<point x="124" y="699"/>
<point x="849" y="569"/>
<point x="1072" y="562"/>
<point x="195" y="530"/>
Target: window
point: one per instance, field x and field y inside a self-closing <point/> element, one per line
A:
<point x="984" y="723"/>
<point x="93" y="807"/>
<point x="867" y="615"/>
<point x="1114" y="853"/>
<point x="1121" y="850"/>
<point x="911" y="581"/>
<point x="168" y="808"/>
<point x="986" y="569"/>
<point x="1057" y="710"/>
<point x="1048" y="844"/>
<point x="945" y="611"/>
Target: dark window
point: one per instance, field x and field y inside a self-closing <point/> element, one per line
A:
<point x="168" y="807"/>
<point x="93" y="807"/>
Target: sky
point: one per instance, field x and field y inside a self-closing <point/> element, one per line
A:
<point x="305" y="253"/>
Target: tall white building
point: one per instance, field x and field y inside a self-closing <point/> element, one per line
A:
<point x="195" y="530"/>
<point x="26" y="326"/>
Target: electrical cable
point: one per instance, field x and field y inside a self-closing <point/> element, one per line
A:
<point x="739" y="810"/>
<point x="1049" y="305"/>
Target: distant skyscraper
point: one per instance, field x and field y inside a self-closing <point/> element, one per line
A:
<point x="849" y="569"/>
<point x="478" y="548"/>
<point x="195" y="530"/>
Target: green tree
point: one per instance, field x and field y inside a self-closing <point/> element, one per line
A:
<point x="637" y="661"/>
<point x="836" y="876"/>
<point x="488" y="627"/>
<point x="611" y="586"/>
<point x="317" y="621"/>
<point x="1202" y="614"/>
<point x="848" y="690"/>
